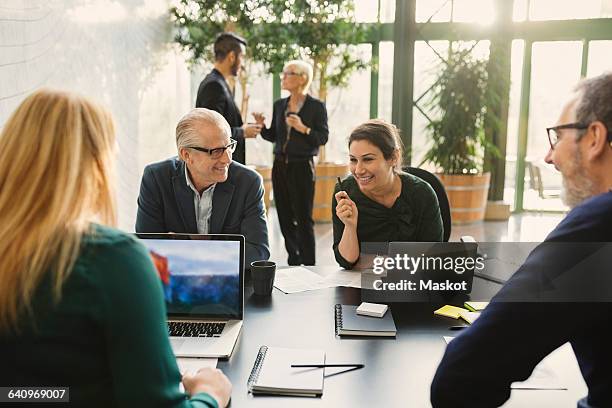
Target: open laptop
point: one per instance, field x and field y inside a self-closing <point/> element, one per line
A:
<point x="203" y="282"/>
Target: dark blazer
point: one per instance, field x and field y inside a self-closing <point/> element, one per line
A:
<point x="215" y="94"/>
<point x="300" y="145"/>
<point x="511" y="337"/>
<point x="165" y="204"/>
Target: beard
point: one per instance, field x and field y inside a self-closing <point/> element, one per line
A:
<point x="235" y="68"/>
<point x="577" y="186"/>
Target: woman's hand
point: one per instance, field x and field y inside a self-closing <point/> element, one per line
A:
<point x="295" y="122"/>
<point x="346" y="210"/>
<point x="260" y="119"/>
<point x="211" y="381"/>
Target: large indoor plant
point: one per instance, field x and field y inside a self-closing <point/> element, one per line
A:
<point x="458" y="105"/>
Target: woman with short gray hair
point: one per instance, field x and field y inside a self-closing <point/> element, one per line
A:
<point x="298" y="128"/>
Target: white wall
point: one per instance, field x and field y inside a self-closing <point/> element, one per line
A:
<point x="118" y="52"/>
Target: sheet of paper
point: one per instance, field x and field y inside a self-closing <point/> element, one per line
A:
<point x="342" y="277"/>
<point x="298" y="279"/>
<point x="192" y="364"/>
<point x="542" y="378"/>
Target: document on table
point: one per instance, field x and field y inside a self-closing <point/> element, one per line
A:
<point x="543" y="377"/>
<point x="299" y="279"/>
<point x="193" y="364"/>
<point x="342" y="277"/>
<point x="294" y="280"/>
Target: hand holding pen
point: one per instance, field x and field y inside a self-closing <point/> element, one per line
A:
<point x="346" y="209"/>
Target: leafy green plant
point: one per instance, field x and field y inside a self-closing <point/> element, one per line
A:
<point x="458" y="102"/>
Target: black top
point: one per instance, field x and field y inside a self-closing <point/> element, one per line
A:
<point x="106" y="339"/>
<point x="215" y="94"/>
<point x="300" y="146"/>
<point x="415" y="215"/>
<point x="510" y="338"/>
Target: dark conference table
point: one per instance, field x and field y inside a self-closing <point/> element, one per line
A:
<point x="398" y="371"/>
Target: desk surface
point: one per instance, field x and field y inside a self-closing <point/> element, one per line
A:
<point x="397" y="372"/>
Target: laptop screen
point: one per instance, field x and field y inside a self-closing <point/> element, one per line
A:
<point x="201" y="275"/>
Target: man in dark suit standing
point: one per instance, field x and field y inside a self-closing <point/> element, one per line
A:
<point x="203" y="191"/>
<point x="214" y="92"/>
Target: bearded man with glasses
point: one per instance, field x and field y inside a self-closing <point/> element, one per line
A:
<point x="202" y="191"/>
<point x="563" y="291"/>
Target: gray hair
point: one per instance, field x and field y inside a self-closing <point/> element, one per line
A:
<point x="187" y="127"/>
<point x="304" y="68"/>
<point x="595" y="103"/>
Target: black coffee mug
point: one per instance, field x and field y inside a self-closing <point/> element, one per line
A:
<point x="262" y="274"/>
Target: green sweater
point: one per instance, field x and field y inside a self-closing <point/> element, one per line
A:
<point x="414" y="217"/>
<point x="107" y="338"/>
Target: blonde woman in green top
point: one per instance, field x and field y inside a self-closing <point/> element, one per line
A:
<point x="379" y="202"/>
<point x="81" y="305"/>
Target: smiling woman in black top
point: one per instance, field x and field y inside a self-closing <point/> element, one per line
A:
<point x="378" y="202"/>
<point x="299" y="127"/>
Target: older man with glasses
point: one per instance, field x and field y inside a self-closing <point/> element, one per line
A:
<point x="563" y="291"/>
<point x="202" y="190"/>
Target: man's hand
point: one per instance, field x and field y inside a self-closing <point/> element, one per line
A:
<point x="251" y="130"/>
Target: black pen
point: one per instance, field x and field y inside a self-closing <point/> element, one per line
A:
<point x="458" y="327"/>
<point x="326" y="365"/>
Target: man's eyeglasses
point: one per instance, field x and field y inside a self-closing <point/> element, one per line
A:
<point x="553" y="132"/>
<point x="217" y="152"/>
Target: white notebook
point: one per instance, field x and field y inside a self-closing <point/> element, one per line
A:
<point x="272" y="372"/>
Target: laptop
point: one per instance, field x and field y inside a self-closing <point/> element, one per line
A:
<point x="203" y="282"/>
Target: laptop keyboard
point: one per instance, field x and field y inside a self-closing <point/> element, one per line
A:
<point x="195" y="329"/>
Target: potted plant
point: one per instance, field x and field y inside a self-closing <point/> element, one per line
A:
<point x="458" y="105"/>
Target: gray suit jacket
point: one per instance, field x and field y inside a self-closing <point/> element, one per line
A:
<point x="165" y="204"/>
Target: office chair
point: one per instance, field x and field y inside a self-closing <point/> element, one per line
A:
<point x="438" y="187"/>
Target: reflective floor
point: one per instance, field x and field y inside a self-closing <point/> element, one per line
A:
<point x="526" y="227"/>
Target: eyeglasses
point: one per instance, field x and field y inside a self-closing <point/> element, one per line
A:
<point x="217" y="152"/>
<point x="290" y="73"/>
<point x="553" y="132"/>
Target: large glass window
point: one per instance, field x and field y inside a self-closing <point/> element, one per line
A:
<point x="426" y="63"/>
<point x="516" y="72"/>
<point x="599" y="58"/>
<point x="437" y="10"/>
<point x="366" y="11"/>
<point x="385" y="80"/>
<point x="348" y="107"/>
<point x="552" y="80"/>
<point x="258" y="151"/>
<point x="569" y="9"/>
<point x="473" y="11"/>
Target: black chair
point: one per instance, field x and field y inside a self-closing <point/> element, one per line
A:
<point x="438" y="187"/>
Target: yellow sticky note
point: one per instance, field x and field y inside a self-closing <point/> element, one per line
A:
<point x="476" y="306"/>
<point x="450" y="311"/>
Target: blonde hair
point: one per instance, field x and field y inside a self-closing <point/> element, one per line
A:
<point x="188" y="127"/>
<point x="55" y="179"/>
<point x="303" y="68"/>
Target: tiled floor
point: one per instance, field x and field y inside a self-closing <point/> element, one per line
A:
<point x="526" y="227"/>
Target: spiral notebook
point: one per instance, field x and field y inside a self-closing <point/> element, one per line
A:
<point x="349" y="323"/>
<point x="272" y="372"/>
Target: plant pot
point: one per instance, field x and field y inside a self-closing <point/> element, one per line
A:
<point x="467" y="195"/>
<point x="326" y="175"/>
